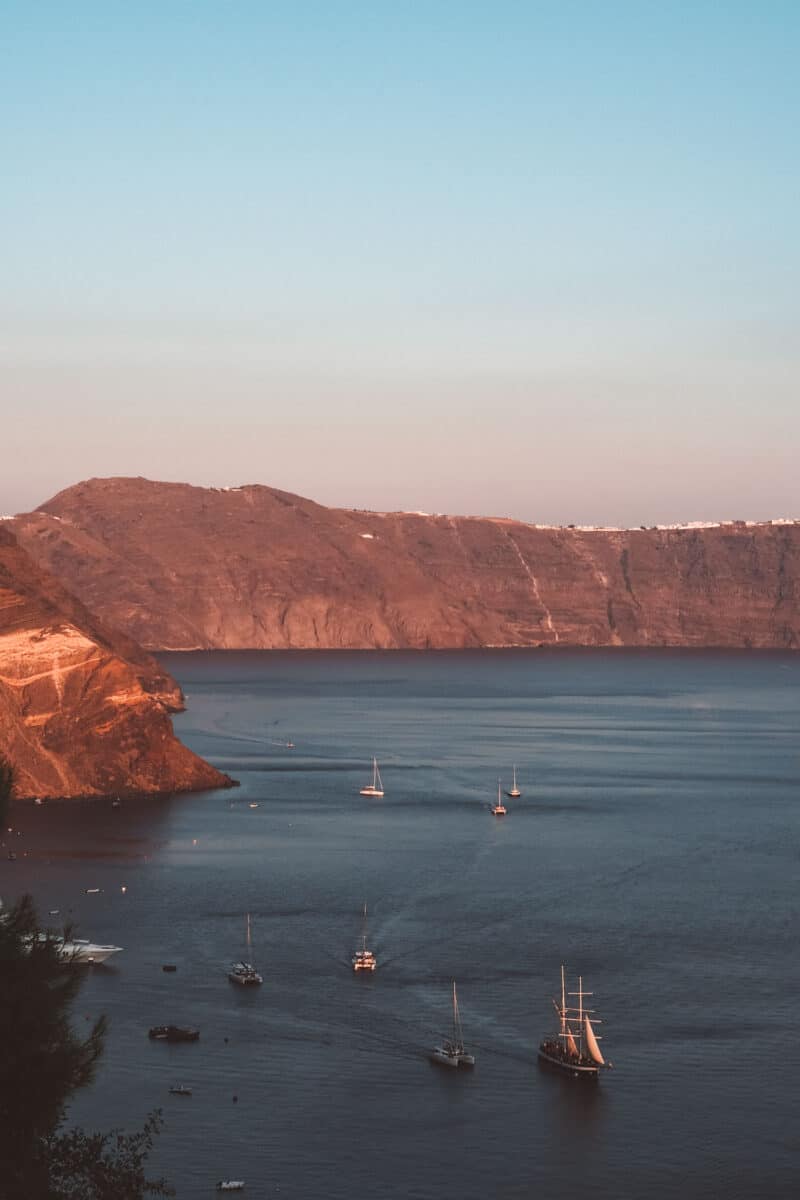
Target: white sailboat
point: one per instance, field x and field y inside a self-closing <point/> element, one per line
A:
<point x="451" y="1052"/>
<point x="575" y="1049"/>
<point x="244" y="973"/>
<point x="364" y="959"/>
<point x="514" y="791"/>
<point x="499" y="809"/>
<point x="376" y="787"/>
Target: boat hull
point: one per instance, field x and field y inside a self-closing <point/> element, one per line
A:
<point x="441" y="1059"/>
<point x="575" y="1067"/>
<point x="86" y="952"/>
<point x="370" y="791"/>
<point x="173" y="1033"/>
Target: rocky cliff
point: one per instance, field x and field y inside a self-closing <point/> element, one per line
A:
<point x="183" y="567"/>
<point x="83" y="711"/>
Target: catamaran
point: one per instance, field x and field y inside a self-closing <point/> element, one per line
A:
<point x="451" y="1053"/>
<point x="364" y="959"/>
<point x="575" y="1048"/>
<point x="514" y="791"/>
<point x="499" y="809"/>
<point x="244" y="972"/>
<point x="376" y="787"/>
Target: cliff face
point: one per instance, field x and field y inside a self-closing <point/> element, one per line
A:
<point x="182" y="567"/>
<point x="83" y="711"/>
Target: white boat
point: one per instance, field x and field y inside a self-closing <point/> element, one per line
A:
<point x="514" y="793"/>
<point x="79" y="950"/>
<point x="499" y="809"/>
<point x="451" y="1052"/>
<point x="230" y="1185"/>
<point x="376" y="787"/>
<point x="364" y="959"/>
<point x="244" y="973"/>
<point x="575" y="1048"/>
<point x="180" y="1089"/>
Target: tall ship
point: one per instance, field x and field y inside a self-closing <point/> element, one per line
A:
<point x="244" y="973"/>
<point x="575" y="1047"/>
<point x="364" y="959"/>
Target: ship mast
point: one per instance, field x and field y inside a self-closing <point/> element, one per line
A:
<point x="582" y="1012"/>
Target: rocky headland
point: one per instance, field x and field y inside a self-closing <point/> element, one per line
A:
<point x="84" y="711"/>
<point x="182" y="567"/>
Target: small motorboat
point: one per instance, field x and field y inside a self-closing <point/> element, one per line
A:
<point x="169" y="967"/>
<point x="91" y="891"/>
<point x="180" y="1089"/>
<point x="254" y="804"/>
<point x="173" y="1033"/>
<point x="230" y="1185"/>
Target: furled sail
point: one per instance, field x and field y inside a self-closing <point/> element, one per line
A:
<point x="591" y="1044"/>
<point x="571" y="1047"/>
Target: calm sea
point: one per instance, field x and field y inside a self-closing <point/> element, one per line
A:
<point x="654" y="851"/>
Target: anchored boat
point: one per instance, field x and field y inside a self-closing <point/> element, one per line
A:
<point x="244" y="972"/>
<point x="575" y="1048"/>
<point x="513" y="792"/>
<point x="451" y="1052"/>
<point x="376" y="787"/>
<point x="364" y="959"/>
<point x="499" y="809"/>
<point x="173" y="1033"/>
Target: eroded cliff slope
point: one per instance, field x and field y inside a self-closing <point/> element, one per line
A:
<point x="184" y="567"/>
<point x="83" y="711"/>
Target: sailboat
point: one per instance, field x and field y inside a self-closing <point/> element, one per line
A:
<point x="499" y="809"/>
<point x="244" y="972"/>
<point x="575" y="1048"/>
<point x="364" y="959"/>
<point x="376" y="787"/>
<point x="451" y="1053"/>
<point x="514" y="791"/>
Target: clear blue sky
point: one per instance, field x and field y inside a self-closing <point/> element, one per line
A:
<point x="536" y="259"/>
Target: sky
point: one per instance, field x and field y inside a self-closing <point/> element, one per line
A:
<point x="534" y="259"/>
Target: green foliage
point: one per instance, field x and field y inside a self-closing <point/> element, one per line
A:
<point x="6" y="787"/>
<point x="96" y="1166"/>
<point x="42" y="1063"/>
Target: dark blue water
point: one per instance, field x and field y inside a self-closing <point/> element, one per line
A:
<point x="654" y="850"/>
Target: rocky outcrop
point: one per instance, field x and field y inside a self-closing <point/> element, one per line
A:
<point x="182" y="567"/>
<point x="83" y="711"/>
